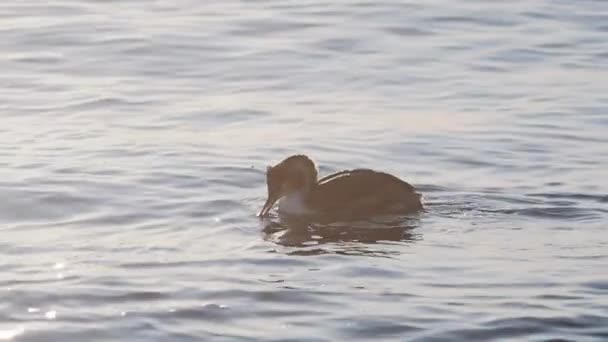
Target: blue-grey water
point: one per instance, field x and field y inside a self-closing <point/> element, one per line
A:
<point x="134" y="137"/>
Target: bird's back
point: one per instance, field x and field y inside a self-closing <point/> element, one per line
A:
<point x="363" y="192"/>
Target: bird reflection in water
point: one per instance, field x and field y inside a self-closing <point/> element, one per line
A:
<point x="356" y="237"/>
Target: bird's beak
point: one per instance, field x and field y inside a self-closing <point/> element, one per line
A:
<point x="268" y="205"/>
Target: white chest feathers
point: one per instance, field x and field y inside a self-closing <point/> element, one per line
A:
<point x="293" y="204"/>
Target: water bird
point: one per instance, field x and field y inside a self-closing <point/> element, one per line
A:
<point x="348" y="194"/>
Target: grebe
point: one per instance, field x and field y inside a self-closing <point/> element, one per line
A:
<point x="349" y="194"/>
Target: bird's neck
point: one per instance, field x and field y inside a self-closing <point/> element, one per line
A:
<point x="294" y="203"/>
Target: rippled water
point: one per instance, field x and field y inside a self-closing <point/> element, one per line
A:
<point x="135" y="136"/>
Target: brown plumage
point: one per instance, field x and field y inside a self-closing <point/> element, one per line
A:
<point x="346" y="194"/>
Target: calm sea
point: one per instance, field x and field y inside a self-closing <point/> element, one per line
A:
<point x="134" y="137"/>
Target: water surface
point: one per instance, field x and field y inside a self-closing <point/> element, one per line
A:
<point x="135" y="135"/>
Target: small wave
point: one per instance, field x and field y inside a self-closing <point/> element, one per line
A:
<point x="561" y="213"/>
<point x="508" y="328"/>
<point x="374" y="328"/>
<point x="572" y="196"/>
